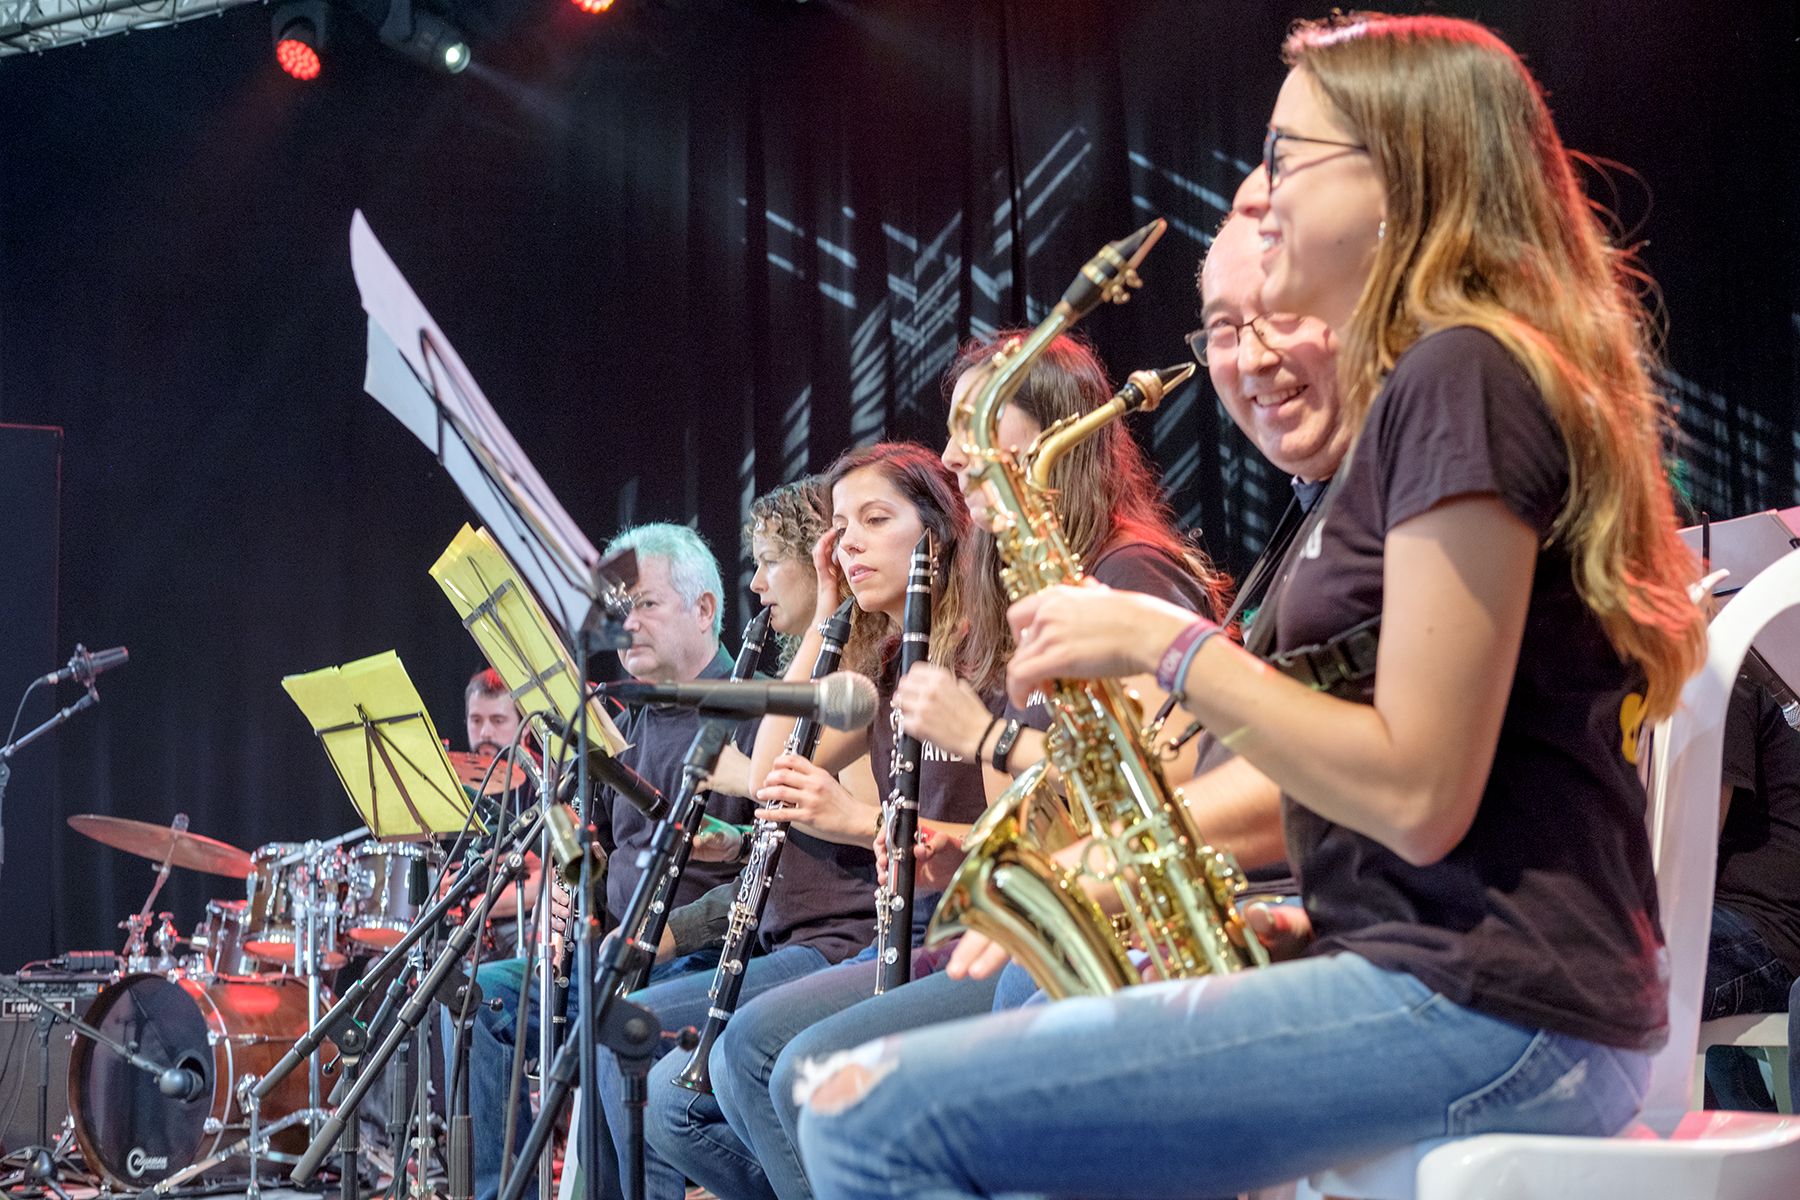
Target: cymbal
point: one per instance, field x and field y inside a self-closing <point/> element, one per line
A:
<point x="471" y="768"/>
<point x="191" y="850"/>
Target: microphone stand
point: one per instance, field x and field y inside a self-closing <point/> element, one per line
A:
<point x="631" y="1031"/>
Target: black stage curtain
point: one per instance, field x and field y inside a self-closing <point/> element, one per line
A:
<point x="690" y="250"/>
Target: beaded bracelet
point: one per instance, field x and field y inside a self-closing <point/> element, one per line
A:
<point x="1172" y="668"/>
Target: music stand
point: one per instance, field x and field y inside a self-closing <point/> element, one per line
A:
<point x="418" y="376"/>
<point x="387" y="753"/>
<point x="516" y="637"/>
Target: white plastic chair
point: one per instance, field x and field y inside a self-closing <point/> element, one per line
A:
<point x="1670" y="1152"/>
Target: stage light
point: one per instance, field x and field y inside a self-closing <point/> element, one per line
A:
<point x="299" y="28"/>
<point x="592" y="6"/>
<point x="425" y="36"/>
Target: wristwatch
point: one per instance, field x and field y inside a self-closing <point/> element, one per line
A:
<point x="1003" y="745"/>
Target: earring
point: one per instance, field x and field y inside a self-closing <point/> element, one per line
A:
<point x="1381" y="230"/>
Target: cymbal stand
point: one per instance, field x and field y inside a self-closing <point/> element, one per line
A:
<point x="137" y="948"/>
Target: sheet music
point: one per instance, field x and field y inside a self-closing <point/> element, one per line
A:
<point x="412" y="371"/>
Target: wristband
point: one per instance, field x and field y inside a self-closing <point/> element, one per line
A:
<point x="982" y="740"/>
<point x="1003" y="746"/>
<point x="1171" y="668"/>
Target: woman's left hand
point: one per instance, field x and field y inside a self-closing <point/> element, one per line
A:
<point x="811" y="795"/>
<point x="1088" y="632"/>
<point x="937" y="707"/>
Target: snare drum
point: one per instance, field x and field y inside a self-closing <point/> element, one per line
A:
<point x="221" y="1031"/>
<point x="380" y="908"/>
<point x="220" y="941"/>
<point x="280" y="875"/>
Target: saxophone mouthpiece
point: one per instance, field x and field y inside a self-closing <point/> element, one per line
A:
<point x="1112" y="273"/>
<point x="1144" y="390"/>
<point x="1134" y="248"/>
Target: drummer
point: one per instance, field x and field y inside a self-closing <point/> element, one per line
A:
<point x="492" y="720"/>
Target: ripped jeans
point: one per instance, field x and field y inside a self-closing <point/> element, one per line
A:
<point x="1199" y="1088"/>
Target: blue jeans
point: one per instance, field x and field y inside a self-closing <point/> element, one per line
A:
<point x="678" y="1003"/>
<point x="491" y="1055"/>
<point x="1143" y="1093"/>
<point x="1742" y="976"/>
<point x="739" y="1142"/>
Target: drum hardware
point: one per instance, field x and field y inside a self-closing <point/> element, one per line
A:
<point x="137" y="928"/>
<point x="506" y="872"/>
<point x="292" y="889"/>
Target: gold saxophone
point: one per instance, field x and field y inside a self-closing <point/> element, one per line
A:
<point x="1177" y="892"/>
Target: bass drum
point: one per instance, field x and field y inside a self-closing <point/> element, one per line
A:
<point x="136" y="1136"/>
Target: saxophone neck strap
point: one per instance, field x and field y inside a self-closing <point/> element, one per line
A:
<point x="1338" y="665"/>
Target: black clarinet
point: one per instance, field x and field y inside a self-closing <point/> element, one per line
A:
<point x="759" y="875"/>
<point x="900" y="814"/>
<point x="649" y="935"/>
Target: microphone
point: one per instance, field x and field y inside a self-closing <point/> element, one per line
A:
<point x="637" y="791"/>
<point x="83" y="665"/>
<point x="841" y="700"/>
<point x="181" y="1083"/>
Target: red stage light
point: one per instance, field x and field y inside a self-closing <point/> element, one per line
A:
<point x="297" y="58"/>
<point x="592" y="6"/>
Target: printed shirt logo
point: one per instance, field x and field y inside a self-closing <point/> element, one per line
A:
<point x="1314" y="541"/>
<point x="1631" y="724"/>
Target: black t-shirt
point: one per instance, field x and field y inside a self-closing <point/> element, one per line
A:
<point x="1545" y="913"/>
<point x="823" y="896"/>
<point x="1759" y="850"/>
<point x="659" y="737"/>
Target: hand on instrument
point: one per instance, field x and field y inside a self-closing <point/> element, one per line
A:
<point x="665" y="946"/>
<point x="731" y="776"/>
<point x="832" y="587"/>
<point x="812" y="796"/>
<point x="1283" y="929"/>
<point x="937" y="707"/>
<point x="717" y="842"/>
<point x="561" y="905"/>
<point x="975" y="957"/>
<point x="936" y="855"/>
<point x="1088" y="632"/>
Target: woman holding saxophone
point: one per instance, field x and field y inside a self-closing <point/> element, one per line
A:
<point x="1468" y="829"/>
<point x="1108" y="500"/>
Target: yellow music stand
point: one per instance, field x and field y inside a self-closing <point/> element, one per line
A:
<point x="515" y="636"/>
<point x="387" y="753"/>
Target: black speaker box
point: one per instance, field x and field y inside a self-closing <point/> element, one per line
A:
<point x="22" y="1059"/>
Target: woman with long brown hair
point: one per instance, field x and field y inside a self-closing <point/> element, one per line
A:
<point x="1466" y="822"/>
<point x="1107" y="497"/>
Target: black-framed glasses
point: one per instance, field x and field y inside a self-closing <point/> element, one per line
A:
<point x="1220" y="339"/>
<point x="1272" y="146"/>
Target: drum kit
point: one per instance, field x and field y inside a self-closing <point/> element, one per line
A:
<point x="223" y="1004"/>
